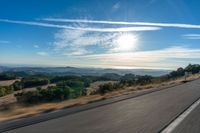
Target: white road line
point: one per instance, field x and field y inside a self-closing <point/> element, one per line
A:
<point x="177" y="121"/>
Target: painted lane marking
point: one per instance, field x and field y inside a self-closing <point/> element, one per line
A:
<point x="178" y="120"/>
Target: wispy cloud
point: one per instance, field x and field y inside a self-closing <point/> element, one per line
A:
<point x="177" y="25"/>
<point x="42" y="53"/>
<point x="192" y="36"/>
<point x="172" y="52"/>
<point x="95" y="29"/>
<point x="35" y="46"/>
<point x="116" y="6"/>
<point x="77" y="52"/>
<point x="76" y="42"/>
<point x="168" y="58"/>
<point x="4" y="42"/>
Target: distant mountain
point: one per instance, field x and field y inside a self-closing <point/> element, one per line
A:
<point x="2" y="68"/>
<point x="81" y="71"/>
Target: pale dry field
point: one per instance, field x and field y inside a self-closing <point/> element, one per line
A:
<point x="8" y="82"/>
<point x="18" y="111"/>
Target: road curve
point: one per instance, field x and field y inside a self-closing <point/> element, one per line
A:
<point x="148" y="113"/>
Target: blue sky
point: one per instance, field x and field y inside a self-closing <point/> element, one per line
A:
<point x="155" y="34"/>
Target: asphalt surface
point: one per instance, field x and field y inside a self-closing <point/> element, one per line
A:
<point x="191" y="124"/>
<point x="148" y="113"/>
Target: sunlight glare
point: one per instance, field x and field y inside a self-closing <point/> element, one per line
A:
<point x="126" y="42"/>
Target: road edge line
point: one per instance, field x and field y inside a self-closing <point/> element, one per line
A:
<point x="177" y="121"/>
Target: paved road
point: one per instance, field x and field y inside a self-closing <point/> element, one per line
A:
<point x="191" y="124"/>
<point x="149" y="113"/>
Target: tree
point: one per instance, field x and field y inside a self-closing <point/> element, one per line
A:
<point x="128" y="79"/>
<point x="105" y="88"/>
<point x="193" y="68"/>
<point x="143" y="80"/>
<point x="7" y="76"/>
<point x="180" y="71"/>
<point x="17" y="85"/>
<point x="5" y="90"/>
<point x="32" y="82"/>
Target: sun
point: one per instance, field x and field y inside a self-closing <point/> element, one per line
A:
<point x="126" y="42"/>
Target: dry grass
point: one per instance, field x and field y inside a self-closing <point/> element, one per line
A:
<point x="8" y="82"/>
<point x="17" y="111"/>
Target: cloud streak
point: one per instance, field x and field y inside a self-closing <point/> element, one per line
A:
<point x="122" y="29"/>
<point x="35" y="46"/>
<point x="176" y="25"/>
<point x="76" y="42"/>
<point x="4" y="41"/>
<point x="116" y="6"/>
<point x="192" y="36"/>
<point x="168" y="58"/>
<point x="42" y="53"/>
<point x="172" y="52"/>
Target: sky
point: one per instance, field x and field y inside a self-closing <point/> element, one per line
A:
<point x="148" y="34"/>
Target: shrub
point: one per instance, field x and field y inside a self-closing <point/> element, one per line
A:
<point x="195" y="68"/>
<point x="34" y="82"/>
<point x="2" y="91"/>
<point x="5" y="90"/>
<point x="109" y="87"/>
<point x="7" y="76"/>
<point x="128" y="79"/>
<point x="43" y="95"/>
<point x="143" y="80"/>
<point x="17" y="85"/>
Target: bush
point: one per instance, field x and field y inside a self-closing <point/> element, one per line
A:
<point x="29" y="82"/>
<point x="63" y="78"/>
<point x="2" y="91"/>
<point x="109" y="87"/>
<point x="34" y="82"/>
<point x="77" y="87"/>
<point x="4" y="76"/>
<point x="17" y="85"/>
<point x="109" y="77"/>
<point x="143" y="80"/>
<point x="5" y="90"/>
<point x="43" y="95"/>
<point x="195" y="68"/>
<point x="86" y="81"/>
<point x="128" y="79"/>
<point x="131" y="79"/>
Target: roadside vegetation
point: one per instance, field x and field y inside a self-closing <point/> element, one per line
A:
<point x="7" y="76"/>
<point x="72" y="90"/>
<point x="70" y="87"/>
